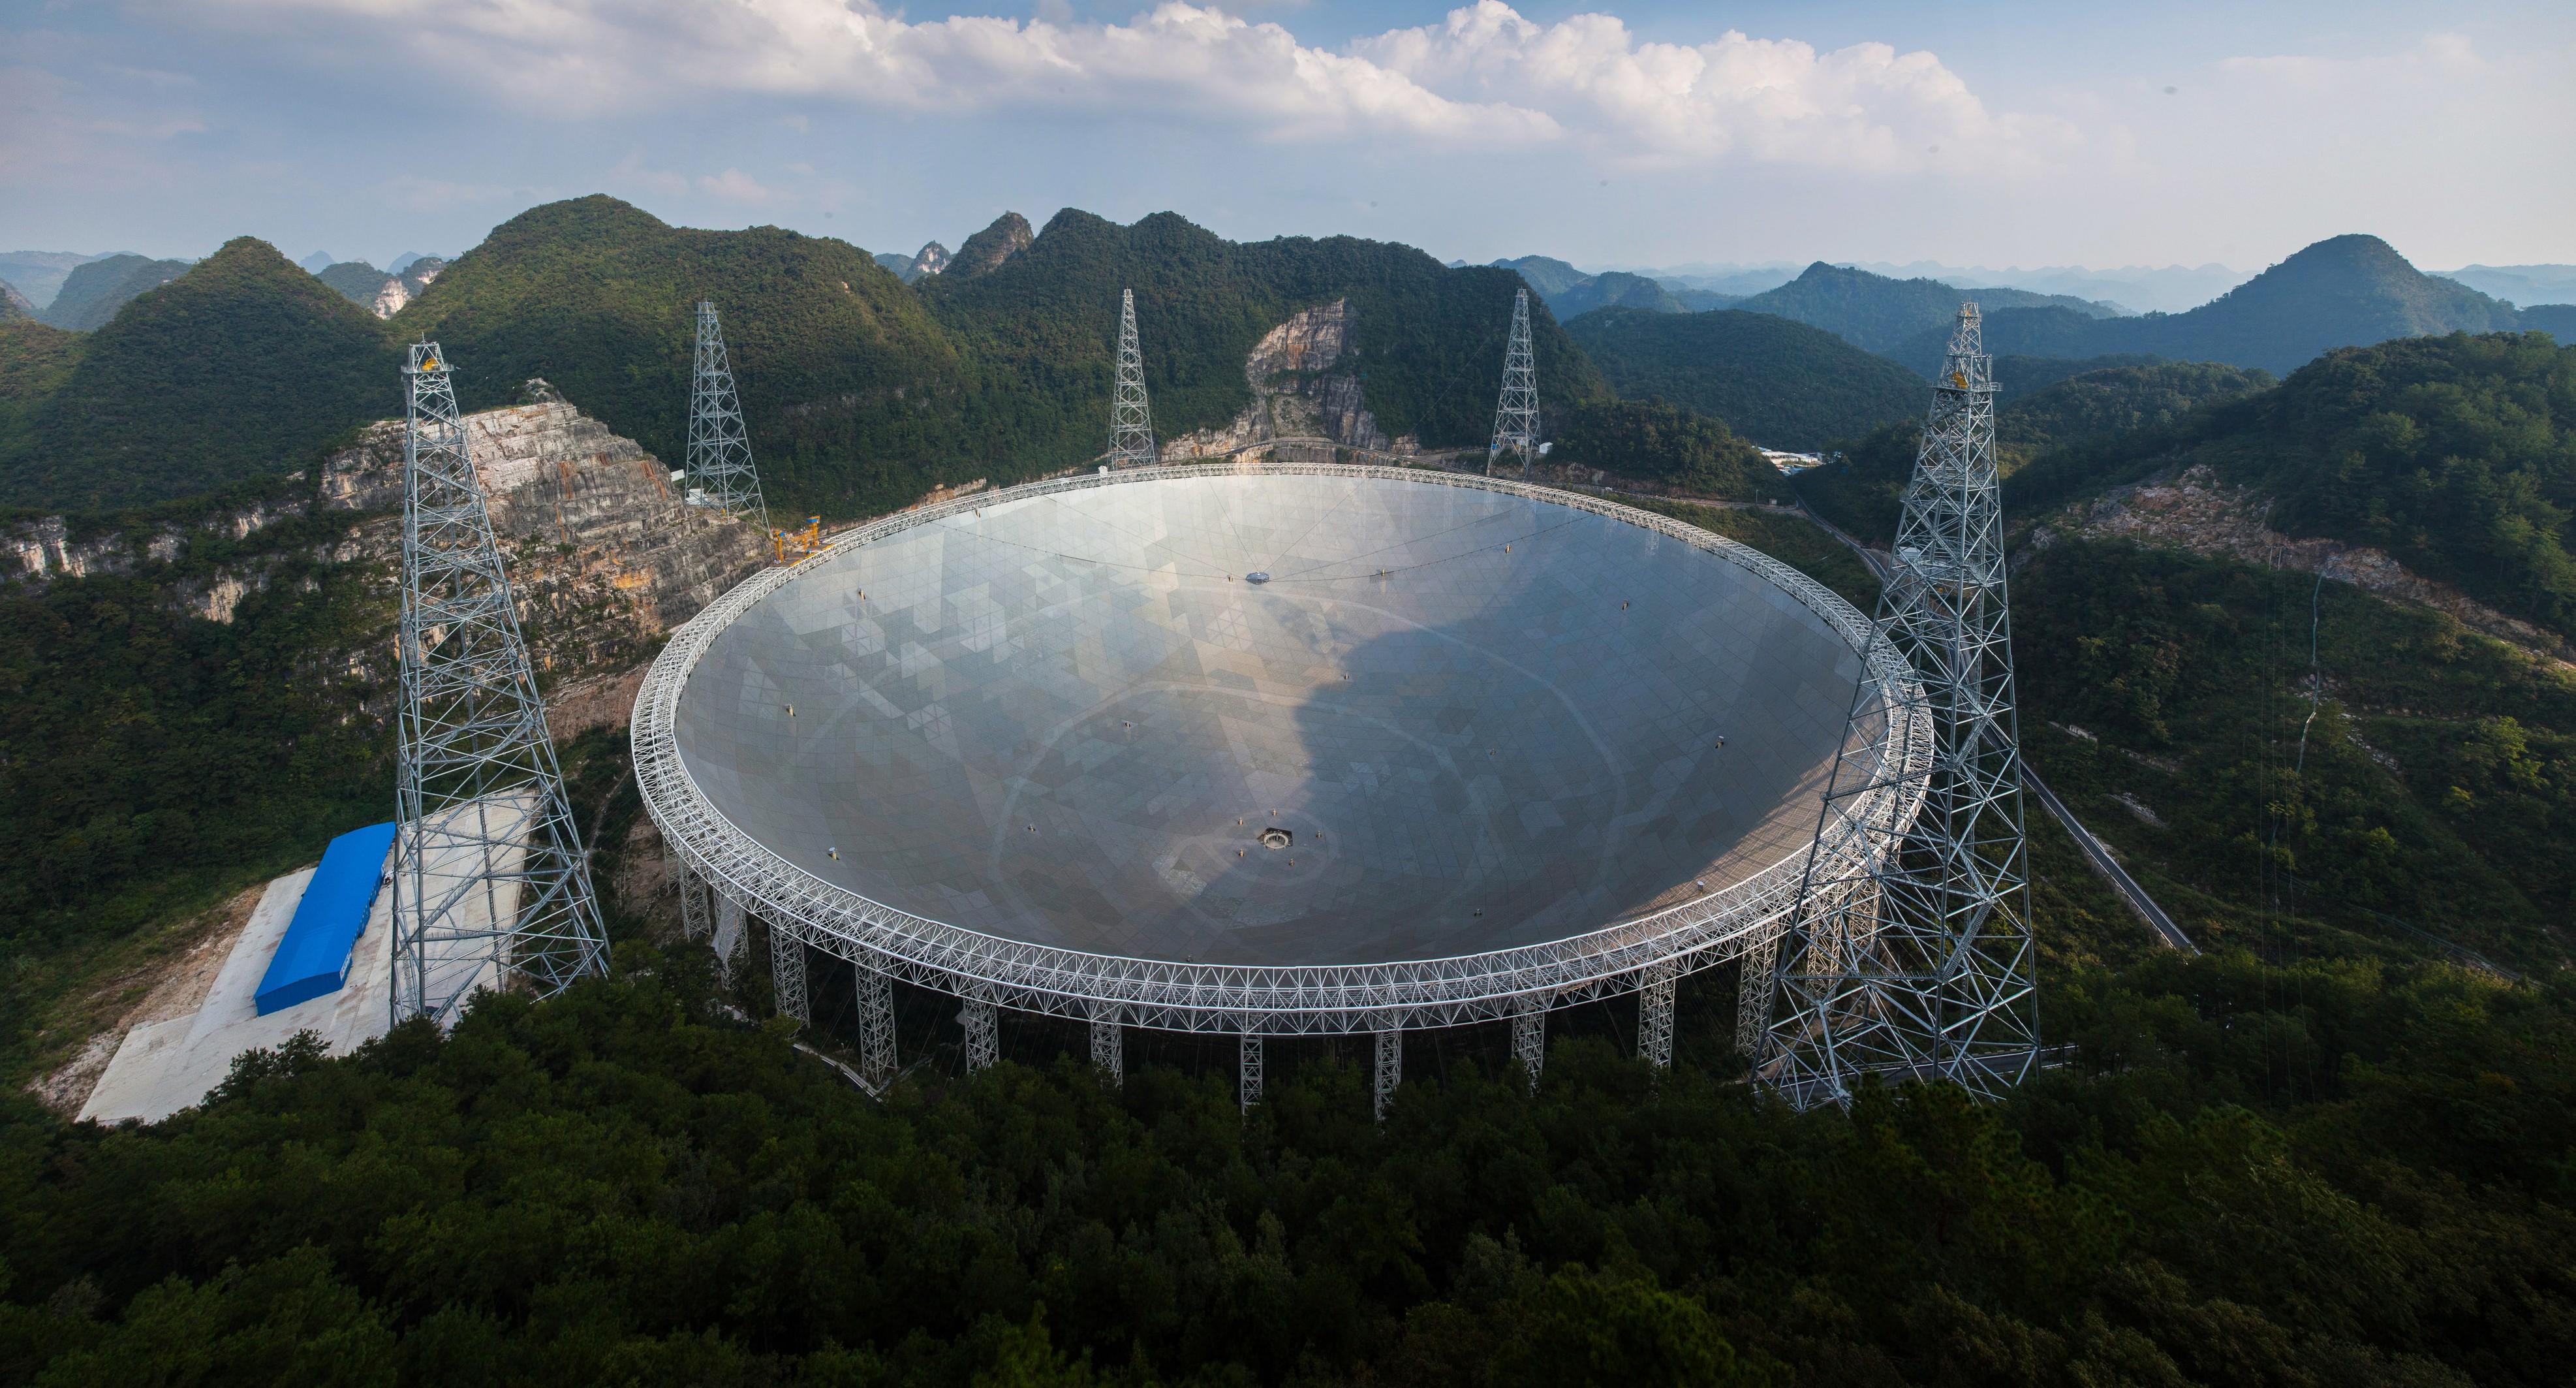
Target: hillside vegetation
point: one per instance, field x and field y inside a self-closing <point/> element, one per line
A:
<point x="2433" y="784"/>
<point x="1040" y="327"/>
<point x="1878" y="313"/>
<point x="2348" y="291"/>
<point x="1661" y="442"/>
<point x="2251" y="1174"/>
<point x="2117" y="407"/>
<point x="1781" y="384"/>
<point x="356" y="280"/>
<point x="861" y="393"/>
<point x="93" y="293"/>
<point x="2455" y="454"/>
<point x="245" y="365"/>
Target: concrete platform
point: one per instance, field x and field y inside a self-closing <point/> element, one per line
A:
<point x="168" y="1065"/>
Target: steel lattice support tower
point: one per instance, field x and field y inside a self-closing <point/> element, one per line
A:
<point x="1516" y="414"/>
<point x="1131" y="419"/>
<point x="1916" y="962"/>
<point x="719" y="465"/>
<point x="491" y="883"/>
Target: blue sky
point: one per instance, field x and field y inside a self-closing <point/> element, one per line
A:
<point x="1621" y="134"/>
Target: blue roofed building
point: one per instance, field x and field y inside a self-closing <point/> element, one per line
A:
<point x="313" y="958"/>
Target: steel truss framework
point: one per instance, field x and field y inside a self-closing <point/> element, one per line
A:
<point x="719" y="465"/>
<point x="491" y="884"/>
<point x="1131" y="419"/>
<point x="1911" y="955"/>
<point x="1242" y="1000"/>
<point x="1516" y="414"/>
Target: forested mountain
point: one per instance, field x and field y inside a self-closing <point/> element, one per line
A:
<point x="2455" y="454"/>
<point x="1570" y="293"/>
<point x="2016" y="377"/>
<point x="1878" y="313"/>
<point x="92" y="293"/>
<point x="2349" y="291"/>
<point x="1039" y="327"/>
<point x="929" y="260"/>
<point x="2128" y="404"/>
<point x="1662" y="442"/>
<point x="2557" y="320"/>
<point x="861" y="393"/>
<point x="356" y="280"/>
<point x="244" y="365"/>
<point x="1780" y="384"/>
<point x="13" y="304"/>
<point x="2113" y="400"/>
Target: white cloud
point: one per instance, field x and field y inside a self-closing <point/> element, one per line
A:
<point x="1865" y="107"/>
<point x="631" y="172"/>
<point x="1486" y="77"/>
<point x="733" y="185"/>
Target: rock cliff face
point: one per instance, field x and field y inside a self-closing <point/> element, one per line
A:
<point x="1303" y="387"/>
<point x="2194" y="511"/>
<point x="403" y="288"/>
<point x="985" y="251"/>
<point x="603" y="556"/>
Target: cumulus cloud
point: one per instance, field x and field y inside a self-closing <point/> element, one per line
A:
<point x="1865" y="107"/>
<point x="1484" y="77"/>
<point x="733" y="185"/>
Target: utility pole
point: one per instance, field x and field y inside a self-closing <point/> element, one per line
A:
<point x="1131" y="420"/>
<point x="721" y="477"/>
<point x="1516" y="415"/>
<point x="1910" y="953"/>
<point x="491" y="883"/>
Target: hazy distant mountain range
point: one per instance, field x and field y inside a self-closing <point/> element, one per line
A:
<point x="2347" y="291"/>
<point x="93" y="292"/>
<point x="1570" y="292"/>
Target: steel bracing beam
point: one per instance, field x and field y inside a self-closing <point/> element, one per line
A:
<point x="1516" y="414"/>
<point x="1247" y="1070"/>
<point x="876" y="1025"/>
<point x="1655" y="1014"/>
<point x="983" y="1030"/>
<point x="1109" y="1051"/>
<point x="787" y="977"/>
<point x="1131" y="419"/>
<point x="491" y="882"/>
<point x="1179" y="996"/>
<point x="721" y="476"/>
<point x="1390" y="1068"/>
<point x="1911" y="957"/>
<point x="1529" y="1037"/>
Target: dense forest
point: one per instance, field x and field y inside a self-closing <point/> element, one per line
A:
<point x="245" y="365"/>
<point x="96" y="292"/>
<point x="1778" y="383"/>
<point x="152" y="760"/>
<point x="1661" y="442"/>
<point x="2332" y="1172"/>
<point x="2060" y="427"/>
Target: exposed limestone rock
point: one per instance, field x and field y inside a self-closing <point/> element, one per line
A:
<point x="985" y="251"/>
<point x="1296" y="391"/>
<point x="401" y="289"/>
<point x="604" y="557"/>
<point x="2196" y="512"/>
